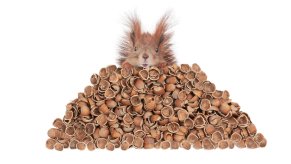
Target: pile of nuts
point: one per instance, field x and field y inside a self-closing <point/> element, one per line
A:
<point x="169" y="107"/>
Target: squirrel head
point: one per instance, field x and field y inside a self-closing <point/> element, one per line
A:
<point x="146" y="49"/>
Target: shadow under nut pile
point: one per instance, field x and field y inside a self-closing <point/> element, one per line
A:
<point x="170" y="107"/>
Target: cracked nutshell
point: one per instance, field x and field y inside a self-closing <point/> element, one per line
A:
<point x="168" y="108"/>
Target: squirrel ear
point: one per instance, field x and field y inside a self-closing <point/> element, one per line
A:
<point x="161" y="35"/>
<point x="135" y="28"/>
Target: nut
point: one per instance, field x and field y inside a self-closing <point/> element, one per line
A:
<point x="223" y="144"/>
<point x="113" y="77"/>
<point x="70" y="130"/>
<point x="104" y="109"/>
<point x="167" y="112"/>
<point x="186" y="144"/>
<point x="81" y="146"/>
<point x="192" y="138"/>
<point x="209" y="129"/>
<point x="111" y="104"/>
<point x="196" y="68"/>
<point x="173" y="127"/>
<point x="139" y="84"/>
<point x="208" y="87"/>
<point x="127" y="119"/>
<point x="165" y="144"/>
<point x="89" y="128"/>
<point x="224" y="108"/>
<point x="124" y="145"/>
<point x="252" y="129"/>
<point x="205" y="104"/>
<point x="91" y="146"/>
<point x="109" y="146"/>
<point x="174" y="145"/>
<point x="185" y="68"/>
<point x="197" y="144"/>
<point x="236" y="137"/>
<point x="182" y="114"/>
<point x="109" y="93"/>
<point x="250" y="143"/>
<point x="104" y="132"/>
<point x="170" y="87"/>
<point x="171" y="80"/>
<point x="135" y="100"/>
<point x="101" y="142"/>
<point x="167" y="101"/>
<point x="138" y="142"/>
<point x="59" y="146"/>
<point x="214" y="119"/>
<point x="101" y="120"/>
<point x="166" y="107"/>
<point x="199" y="121"/>
<point x="144" y="74"/>
<point x="207" y="144"/>
<point x="189" y="123"/>
<point x="95" y="79"/>
<point x="103" y="73"/>
<point x="58" y="123"/>
<point x="243" y="121"/>
<point x="50" y="143"/>
<point x="126" y="72"/>
<point x="159" y="90"/>
<point x="154" y="73"/>
<point x="191" y="76"/>
<point x="182" y="95"/>
<point x="216" y="137"/>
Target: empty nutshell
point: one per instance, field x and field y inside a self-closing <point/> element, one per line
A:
<point x="173" y="127"/>
<point x="58" y="123"/>
<point x="243" y="121"/>
<point x="124" y="145"/>
<point x="109" y="146"/>
<point x="197" y="145"/>
<point x="50" y="143"/>
<point x="138" y="142"/>
<point x="216" y="137"/>
<point x="165" y="144"/>
<point x="101" y="143"/>
<point x="182" y="114"/>
<point x="59" y="146"/>
<point x="207" y="144"/>
<point x="70" y="130"/>
<point x="167" y="111"/>
<point x="73" y="144"/>
<point x="223" y="144"/>
<point x="89" y="128"/>
<point x="205" y="104"/>
<point x="81" y="146"/>
<point x="199" y="121"/>
<point x="185" y="144"/>
<point x="167" y="107"/>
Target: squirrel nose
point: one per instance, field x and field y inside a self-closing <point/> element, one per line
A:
<point x="145" y="56"/>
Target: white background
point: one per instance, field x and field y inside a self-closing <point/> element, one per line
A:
<point x="49" y="49"/>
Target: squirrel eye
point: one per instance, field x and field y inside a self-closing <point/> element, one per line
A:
<point x="135" y="48"/>
<point x="157" y="50"/>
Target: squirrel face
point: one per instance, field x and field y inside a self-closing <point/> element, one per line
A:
<point x="146" y="49"/>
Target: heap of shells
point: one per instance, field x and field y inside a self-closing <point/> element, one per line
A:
<point x="169" y="107"/>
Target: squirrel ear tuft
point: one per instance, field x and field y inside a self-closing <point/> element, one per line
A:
<point x="161" y="33"/>
<point x="135" y="28"/>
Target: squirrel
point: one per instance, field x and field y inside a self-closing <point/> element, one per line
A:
<point x="144" y="49"/>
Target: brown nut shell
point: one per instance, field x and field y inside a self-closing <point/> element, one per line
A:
<point x="205" y="104"/>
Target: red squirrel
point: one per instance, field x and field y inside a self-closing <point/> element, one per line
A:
<point x="146" y="49"/>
